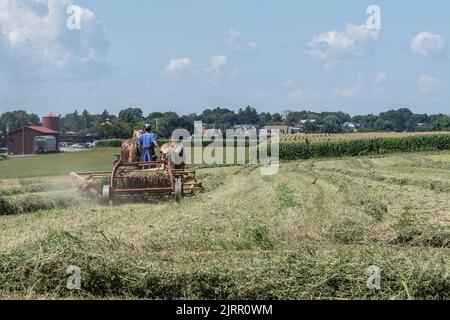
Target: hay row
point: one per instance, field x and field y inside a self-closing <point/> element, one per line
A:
<point x="34" y="188"/>
<point x="19" y="204"/>
<point x="143" y="179"/>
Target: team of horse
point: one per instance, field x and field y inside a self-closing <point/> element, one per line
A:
<point x="130" y="151"/>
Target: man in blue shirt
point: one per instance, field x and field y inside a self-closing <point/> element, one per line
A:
<point x="147" y="143"/>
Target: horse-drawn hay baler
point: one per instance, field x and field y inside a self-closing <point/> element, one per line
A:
<point x="138" y="181"/>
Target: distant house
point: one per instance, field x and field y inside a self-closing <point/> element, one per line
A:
<point x="245" y="130"/>
<point x="107" y="123"/>
<point x="305" y="121"/>
<point x="283" y="130"/>
<point x="296" y="130"/>
<point x="351" y="126"/>
<point x="300" y="126"/>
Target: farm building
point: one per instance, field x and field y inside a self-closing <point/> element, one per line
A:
<point x="32" y="139"/>
<point x="283" y="130"/>
<point x="35" y="139"/>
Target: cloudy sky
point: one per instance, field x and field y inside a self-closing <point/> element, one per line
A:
<point x="185" y="56"/>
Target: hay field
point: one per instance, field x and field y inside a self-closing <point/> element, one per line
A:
<point x="309" y="232"/>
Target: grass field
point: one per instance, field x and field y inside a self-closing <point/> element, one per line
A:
<point x="309" y="232"/>
<point x="58" y="164"/>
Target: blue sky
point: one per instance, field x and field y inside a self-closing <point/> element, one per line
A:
<point x="186" y="56"/>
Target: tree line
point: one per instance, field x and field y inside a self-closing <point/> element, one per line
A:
<point x="121" y="126"/>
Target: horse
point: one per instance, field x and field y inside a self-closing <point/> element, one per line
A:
<point x="176" y="151"/>
<point x="130" y="150"/>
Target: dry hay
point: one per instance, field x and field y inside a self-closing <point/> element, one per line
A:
<point x="24" y="190"/>
<point x="191" y="186"/>
<point x="91" y="188"/>
<point x="19" y="204"/>
<point x="142" y="179"/>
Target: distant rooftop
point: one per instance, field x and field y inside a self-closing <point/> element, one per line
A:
<point x="41" y="129"/>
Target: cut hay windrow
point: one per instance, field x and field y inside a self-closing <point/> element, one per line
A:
<point x="92" y="187"/>
<point x="19" y="204"/>
<point x="143" y="179"/>
<point x="35" y="188"/>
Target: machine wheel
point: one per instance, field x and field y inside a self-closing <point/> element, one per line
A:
<point x="106" y="194"/>
<point x="178" y="189"/>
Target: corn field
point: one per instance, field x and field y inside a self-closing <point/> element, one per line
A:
<point x="362" y="147"/>
<point x="329" y="137"/>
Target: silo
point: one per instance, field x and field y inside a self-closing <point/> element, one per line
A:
<point x="51" y="122"/>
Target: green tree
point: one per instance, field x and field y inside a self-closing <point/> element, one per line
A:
<point x="330" y="124"/>
<point x="248" y="115"/>
<point x="117" y="130"/>
<point x="71" y="122"/>
<point x="15" y="119"/>
<point x="18" y="119"/>
<point x="85" y="120"/>
<point x="167" y="124"/>
<point x="443" y="124"/>
<point x="398" y="120"/>
<point x="133" y="116"/>
<point x="106" y="116"/>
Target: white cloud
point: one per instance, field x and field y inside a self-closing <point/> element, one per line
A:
<point x="427" y="44"/>
<point x="427" y="83"/>
<point x="380" y="78"/>
<point x="178" y="64"/>
<point x="332" y="47"/>
<point x="216" y="63"/>
<point x="36" y="43"/>
<point x="253" y="45"/>
<point x="236" y="42"/>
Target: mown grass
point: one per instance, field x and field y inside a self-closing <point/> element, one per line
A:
<point x="309" y="232"/>
<point x="26" y="203"/>
<point x="303" y="274"/>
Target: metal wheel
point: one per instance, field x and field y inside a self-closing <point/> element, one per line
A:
<point x="178" y="189"/>
<point x="106" y="194"/>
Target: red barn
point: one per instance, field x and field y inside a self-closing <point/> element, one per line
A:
<point x="31" y="140"/>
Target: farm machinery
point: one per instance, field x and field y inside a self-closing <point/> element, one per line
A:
<point x="139" y="181"/>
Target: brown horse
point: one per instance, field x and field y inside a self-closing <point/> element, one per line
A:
<point x="130" y="151"/>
